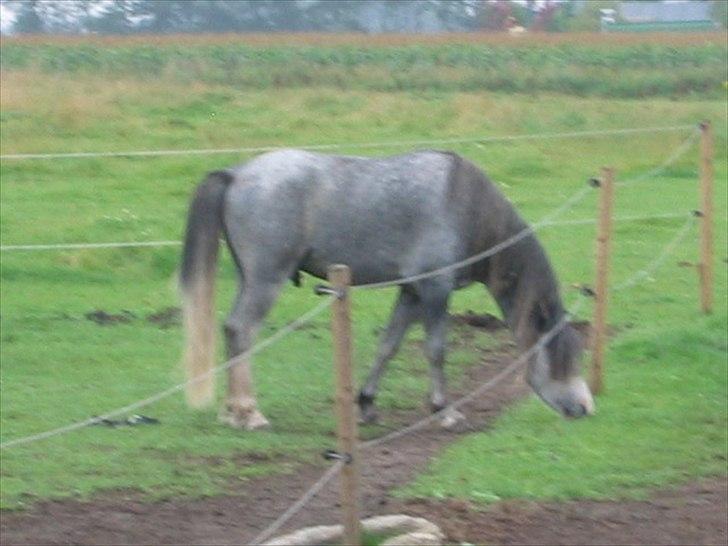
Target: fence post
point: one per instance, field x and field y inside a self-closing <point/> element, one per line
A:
<point x="340" y="279"/>
<point x="705" y="267"/>
<point x="604" y="235"/>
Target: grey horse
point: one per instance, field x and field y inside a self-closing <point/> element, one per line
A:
<point x="386" y="218"/>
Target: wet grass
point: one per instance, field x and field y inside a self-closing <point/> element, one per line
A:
<point x="59" y="367"/>
<point x="661" y="421"/>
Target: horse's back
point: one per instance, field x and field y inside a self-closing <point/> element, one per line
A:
<point x="384" y="217"/>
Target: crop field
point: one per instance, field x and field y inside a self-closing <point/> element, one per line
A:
<point x="580" y="65"/>
<point x="87" y="330"/>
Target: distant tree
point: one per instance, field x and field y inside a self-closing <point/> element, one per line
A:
<point x="496" y="15"/>
<point x="456" y="15"/>
<point x="546" y="17"/>
<point x="27" y="17"/>
<point x="168" y="16"/>
<point x="164" y="16"/>
<point x="118" y="17"/>
<point x="224" y="16"/>
<point x="54" y="16"/>
<point x="586" y="16"/>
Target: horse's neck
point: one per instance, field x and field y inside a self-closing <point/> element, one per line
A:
<point x="516" y="308"/>
<point x="524" y="286"/>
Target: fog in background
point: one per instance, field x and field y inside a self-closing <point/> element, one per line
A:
<point x="367" y="16"/>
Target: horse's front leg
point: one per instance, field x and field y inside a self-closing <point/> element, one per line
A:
<point x="435" y="319"/>
<point x="404" y="313"/>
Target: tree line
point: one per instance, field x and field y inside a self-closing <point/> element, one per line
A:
<point x="370" y="16"/>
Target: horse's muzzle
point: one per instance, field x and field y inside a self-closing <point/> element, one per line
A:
<point x="578" y="402"/>
<point x="574" y="410"/>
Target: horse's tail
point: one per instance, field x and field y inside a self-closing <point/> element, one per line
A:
<point x="197" y="283"/>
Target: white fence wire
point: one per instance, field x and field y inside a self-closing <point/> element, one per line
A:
<point x="348" y="145"/>
<point x="136" y="405"/>
<point x="84" y="246"/>
<point x="518" y="362"/>
<point x="134" y="244"/>
<point x="657" y="262"/>
<point x="279" y="334"/>
<point x="308" y="316"/>
<point x="547" y="220"/>
<point x="512" y="368"/>
<point x="297" y="506"/>
<point x="679" y="151"/>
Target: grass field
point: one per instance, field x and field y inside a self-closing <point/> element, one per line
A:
<point x="581" y="64"/>
<point x="661" y="421"/>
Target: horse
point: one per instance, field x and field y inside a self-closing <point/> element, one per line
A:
<point x="389" y="218"/>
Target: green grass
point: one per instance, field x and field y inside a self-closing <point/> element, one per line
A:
<point x="588" y="67"/>
<point x="666" y="369"/>
<point x="661" y="421"/>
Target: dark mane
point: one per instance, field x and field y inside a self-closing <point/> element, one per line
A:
<point x="520" y="277"/>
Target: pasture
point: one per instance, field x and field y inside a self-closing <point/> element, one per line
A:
<point x="88" y="330"/>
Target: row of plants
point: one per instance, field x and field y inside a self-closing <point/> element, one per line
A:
<point x="572" y="68"/>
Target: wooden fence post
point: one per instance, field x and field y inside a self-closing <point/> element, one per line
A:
<point x="604" y="235"/>
<point x="340" y="279"/>
<point x="705" y="267"/>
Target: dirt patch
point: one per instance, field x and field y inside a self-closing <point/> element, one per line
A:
<point x="491" y="323"/>
<point x="692" y="514"/>
<point x="102" y="318"/>
<point x="166" y="318"/>
<point x="486" y="321"/>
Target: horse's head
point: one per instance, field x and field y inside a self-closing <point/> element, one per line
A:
<point x="553" y="372"/>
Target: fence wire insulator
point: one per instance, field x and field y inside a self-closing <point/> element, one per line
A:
<point x="325" y="290"/>
<point x="587" y="291"/>
<point x="333" y="455"/>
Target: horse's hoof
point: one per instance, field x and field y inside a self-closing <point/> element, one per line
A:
<point x="368" y="416"/>
<point x="231" y="419"/>
<point x="453" y="420"/>
<point x="367" y="410"/>
<point x="256" y="421"/>
<point x="243" y="419"/>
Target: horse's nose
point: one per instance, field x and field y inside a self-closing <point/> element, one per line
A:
<point x="579" y="401"/>
<point x="575" y="409"/>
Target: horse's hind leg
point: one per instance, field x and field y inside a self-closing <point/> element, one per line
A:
<point x="253" y="302"/>
<point x="405" y="312"/>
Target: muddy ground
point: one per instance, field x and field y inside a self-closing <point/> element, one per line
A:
<point x="693" y="514"/>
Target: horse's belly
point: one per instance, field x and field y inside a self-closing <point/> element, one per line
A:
<point x="380" y="256"/>
<point x="367" y="264"/>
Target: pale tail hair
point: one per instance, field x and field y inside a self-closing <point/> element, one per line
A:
<point x="197" y="283"/>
